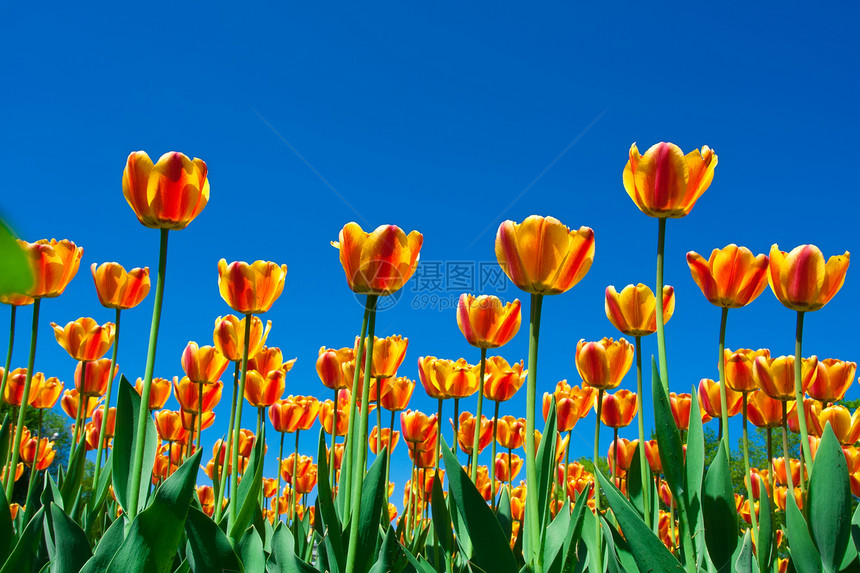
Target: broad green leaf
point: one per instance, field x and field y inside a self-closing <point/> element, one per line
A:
<point x="107" y="547"/>
<point x="829" y="502"/>
<point x="545" y="464"/>
<point x="626" y="561"/>
<point x="7" y="531"/>
<point x="71" y="547"/>
<point x="72" y="482"/>
<point x="374" y="498"/>
<point x="610" y="559"/>
<point x="556" y="535"/>
<point x="694" y="468"/>
<point x="420" y="564"/>
<point x="387" y="554"/>
<point x="155" y="534"/>
<point x="125" y="436"/>
<point x="491" y="551"/>
<point x="4" y="437"/>
<point x="744" y="561"/>
<point x="647" y="549"/>
<point x="668" y="438"/>
<point x="441" y="518"/>
<point x="503" y="513"/>
<point x="719" y="510"/>
<point x="16" y="274"/>
<point x="247" y="495"/>
<point x="804" y="555"/>
<point x="209" y="550"/>
<point x="765" y="554"/>
<point x="97" y="501"/>
<point x="284" y="553"/>
<point x="23" y="557"/>
<point x="635" y="492"/>
<point x="250" y="551"/>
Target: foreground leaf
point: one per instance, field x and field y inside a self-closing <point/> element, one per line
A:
<point x="125" y="437"/>
<point x="71" y="547"/>
<point x="209" y="550"/>
<point x="829" y="501"/>
<point x="719" y="510"/>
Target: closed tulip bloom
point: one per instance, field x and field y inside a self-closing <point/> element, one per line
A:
<point x="603" y="364"/>
<point x="486" y="322"/>
<point x="47" y="393"/>
<point x="246" y="443"/>
<point x="652" y="453"/>
<point x="98" y="415"/>
<point x="503" y="380"/>
<point x="54" y="264"/>
<point x="169" y="426"/>
<point x="424" y="456"/>
<point x="264" y="391"/>
<point x="69" y="404"/>
<point x="543" y="256"/>
<point x="158" y="394"/>
<point x="308" y="481"/>
<point x="189" y="420"/>
<point x="507" y="467"/>
<point x="308" y="408"/>
<point x="206" y="495"/>
<point x="168" y="194"/>
<point x="330" y="366"/>
<point x="466" y="437"/>
<point x="417" y="426"/>
<point x="626" y="449"/>
<point x="41" y="452"/>
<point x="434" y="387"/>
<point x="618" y="408"/>
<point x="13" y="394"/>
<point x="378" y="263"/>
<point x="511" y="432"/>
<point x="845" y="425"/>
<point x="832" y="380"/>
<point x="395" y="393"/>
<point x="779" y="473"/>
<point x="780" y="495"/>
<point x="739" y="368"/>
<point x="203" y="364"/>
<point x="290" y="468"/>
<point x="680" y="405"/>
<point x="732" y="277"/>
<point x="763" y="411"/>
<point x="16" y="299"/>
<point x="633" y="311"/>
<point x="229" y="336"/>
<point x="326" y="413"/>
<point x="812" y="411"/>
<point x="776" y="375"/>
<point x="251" y="288"/>
<point x="386" y="433"/>
<point x="97" y="379"/>
<point x="709" y="399"/>
<point x="85" y="339"/>
<point x="91" y="436"/>
<point x="338" y="455"/>
<point x="388" y="355"/>
<point x="187" y="393"/>
<point x="664" y="182"/>
<point x="565" y="410"/>
<point x="119" y="289"/>
<point x="801" y="280"/>
<point x="19" y="471"/>
<point x="461" y="378"/>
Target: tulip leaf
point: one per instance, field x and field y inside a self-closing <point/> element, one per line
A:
<point x="719" y="510"/>
<point x="744" y="561"/>
<point x="16" y="274"/>
<point x="635" y="491"/>
<point x="156" y="532"/>
<point x="556" y="535"/>
<point x="389" y="553"/>
<point x="765" y="553"/>
<point x="4" y="437"/>
<point x="490" y="549"/>
<point x="250" y="551"/>
<point x="829" y="501"/>
<point x="804" y="555"/>
<point x="284" y="553"/>
<point x="209" y="550"/>
<point x="694" y="473"/>
<point x="125" y="437"/>
<point x="441" y="518"/>
<point x="74" y="475"/>
<point x="71" y="549"/>
<point x="648" y="551"/>
<point x="668" y="438"/>
<point x="374" y="499"/>
<point x="248" y="493"/>
<point x="545" y="464"/>
<point x="23" y="557"/>
<point x="107" y="547"/>
<point x="97" y="501"/>
<point x="503" y="513"/>
<point x="7" y="528"/>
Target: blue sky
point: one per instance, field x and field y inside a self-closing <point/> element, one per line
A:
<point x="443" y="118"/>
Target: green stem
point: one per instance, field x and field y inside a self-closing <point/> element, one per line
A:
<point x="615" y="456"/>
<point x="798" y="397"/>
<point x="227" y="443"/>
<point x="278" y="487"/>
<point x="331" y="470"/>
<point x="567" y="463"/>
<point x="456" y="446"/>
<point x="199" y="413"/>
<point x="19" y="427"/>
<point x="661" y="330"/>
<point x="788" y="479"/>
<point x="721" y="367"/>
<point x="598" y="535"/>
<point x="532" y="517"/>
<point x="438" y="436"/>
<point x="477" y="439"/>
<point x="292" y="515"/>
<point x="237" y="423"/>
<point x="748" y="479"/>
<point x="493" y="459"/>
<point x="361" y="444"/>
<point x="6" y="375"/>
<point x="379" y="423"/>
<point x="143" y="413"/>
<point x="349" y="442"/>
<point x="103" y="430"/>
<point x="79" y="422"/>
<point x="388" y="454"/>
<point x="33" y="470"/>
<point x="643" y="458"/>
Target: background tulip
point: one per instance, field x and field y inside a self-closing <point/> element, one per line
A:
<point x="486" y="322"/>
<point x="732" y="277"/>
<point x="801" y="280"/>
<point x="633" y="310"/>
<point x="119" y="289"/>
<point x="251" y="288"/>
<point x="378" y="263"/>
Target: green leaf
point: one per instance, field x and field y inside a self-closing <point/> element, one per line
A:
<point x="7" y="528"/>
<point x="209" y="550"/>
<point x="125" y="437"/>
<point x="647" y="549"/>
<point x="72" y="482"/>
<point x="555" y="536"/>
<point x="97" y="501"/>
<point x="668" y="438"/>
<point x="744" y="561"/>
<point x="420" y="564"/>
<point x="24" y="555"/>
<point x="719" y="510"/>
<point x="248" y="493"/>
<point x="545" y="464"/>
<point x="503" y="513"/>
<point x="804" y="555"/>
<point x="441" y="518"/>
<point x="374" y="497"/>
<point x="829" y="502"/>
<point x="107" y="547"/>
<point x="155" y="534"/>
<point x="16" y="274"/>
<point x="284" y="552"/>
<point x="250" y="550"/>
<point x="71" y="547"/>
<point x="635" y="491"/>
<point x="491" y="551"/>
<point x="694" y="473"/>
<point x="388" y="554"/>
<point x="4" y="437"/>
<point x="765" y="553"/>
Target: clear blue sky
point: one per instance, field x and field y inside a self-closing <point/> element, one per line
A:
<point x="447" y="119"/>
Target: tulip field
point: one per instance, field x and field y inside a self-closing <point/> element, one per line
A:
<point x="145" y="488"/>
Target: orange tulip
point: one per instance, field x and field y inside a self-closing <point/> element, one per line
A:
<point x="485" y="322"/>
<point x="626" y="449"/>
<point x="763" y="411"/>
<point x="680" y="405"/>
<point x="97" y="379"/>
<point x="394" y="393"/>
<point x="290" y="468"/>
<point x="47" y="394"/>
<point x="511" y="432"/>
<point x="779" y="472"/>
<point x="845" y="425"/>
<point x="54" y="263"/>
<point x="119" y="289"/>
<point x="13" y="393"/>
<point x="189" y="420"/>
<point x="560" y="444"/>
<point x="380" y="262"/>
<point x="16" y="299"/>
<point x="732" y="277"/>
<point x="618" y="409"/>
<point x="326" y="413"/>
<point x="664" y="182"/>
<point x="251" y="288"/>
<point x="206" y="494"/>
<point x="263" y="392"/>
<point x="603" y="364"/>
<point x="781" y="497"/>
<point x="801" y="280"/>
<point x="330" y="366"/>
<point x="285" y="415"/>
<point x="633" y="311"/>
<point x="812" y="411"/>
<point x="652" y="454"/>
<point x="417" y="427"/>
<point x="84" y="339"/>
<point x="187" y="393"/>
<point x="663" y="529"/>
<point x="542" y="256"/>
<point x="69" y="403"/>
<point x="305" y="483"/>
<point x="247" y="439"/>
<point x="503" y="380"/>
<point x="386" y="433"/>
<point x="832" y="380"/>
<point x="19" y="471"/>
<point x="388" y="355"/>
<point x="507" y="468"/>
<point x="98" y="415"/>
<point x="203" y="364"/>
<point x="91" y="436"/>
<point x="466" y="436"/>
<point x="158" y="394"/>
<point x="709" y="399"/>
<point x="434" y="387"/>
<point x="739" y="368"/>
<point x="41" y="452"/>
<point x="775" y="376"/>
<point x="338" y="455"/>
<point x="230" y="336"/>
<point x="308" y="408"/>
<point x="169" y="426"/>
<point x="167" y="195"/>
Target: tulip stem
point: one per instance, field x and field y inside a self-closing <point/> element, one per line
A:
<point x="237" y="423"/>
<point x="135" y="481"/>
<point x="227" y="444"/>
<point x="721" y="366"/>
<point x="643" y="457"/>
<point x="532" y="517"/>
<point x="38" y="450"/>
<point x="788" y="479"/>
<point x="598" y="555"/>
<point x="748" y="479"/>
<point x="292" y="513"/>
<point x="278" y="486"/>
<point x="22" y="410"/>
<point x="388" y="454"/>
<point x="103" y="429"/>
<point x="477" y="438"/>
<point x="438" y="436"/>
<point x="661" y="330"/>
<point x="456" y="445"/>
<point x="331" y="469"/>
<point x="493" y="460"/>
<point x="379" y="422"/>
<point x="199" y="414"/>
<point x="79" y="416"/>
<point x="615" y="456"/>
<point x="361" y="444"/>
<point x="798" y="395"/>
<point x="6" y="370"/>
<point x="349" y="443"/>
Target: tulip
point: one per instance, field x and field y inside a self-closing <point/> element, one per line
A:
<point x="603" y="364"/>
<point x="97" y="377"/>
<point x="69" y="404"/>
<point x="652" y="454"/>
<point x="618" y="409"/>
<point x="251" y="288"/>
<point x="388" y="355"/>
<point x="159" y="392"/>
<point x="13" y="394"/>
<point x="812" y="413"/>
<point x="203" y="364"/>
<point x="38" y="451"/>
<point x="190" y="398"/>
<point x="511" y="432"/>
<point x="384" y="439"/>
<point x="229" y="336"/>
<point x="394" y="393"/>
<point x="507" y="467"/>
<point x="308" y="481"/>
<point x="732" y="277"/>
<point x="330" y="366"/>
<point x="434" y="386"/>
<point x="764" y="411"/>
<point x="739" y="368"/>
<point x="485" y="322"/>
<point x="779" y="470"/>
<point x="84" y="339"/>
<point x="801" y="280"/>
<point x="167" y="195"/>
<point x="503" y="380"/>
<point x="54" y="263"/>
<point x="378" y="263"/>
<point x="190" y="420"/>
<point x="46" y="394"/>
<point x="417" y="426"/>
<point x="832" y="380"/>
<point x="845" y="426"/>
<point x="680" y="405"/>
<point x="466" y="436"/>
<point x="326" y="414"/>
<point x="19" y="471"/>
<point x="119" y="289"/>
<point x="709" y="399"/>
<point x="98" y="416"/>
<point x="775" y="376"/>
<point x="620" y="455"/>
<point x="262" y="392"/>
<point x="168" y="423"/>
<point x="633" y="310"/>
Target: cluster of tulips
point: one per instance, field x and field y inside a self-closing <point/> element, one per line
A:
<point x="146" y="512"/>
